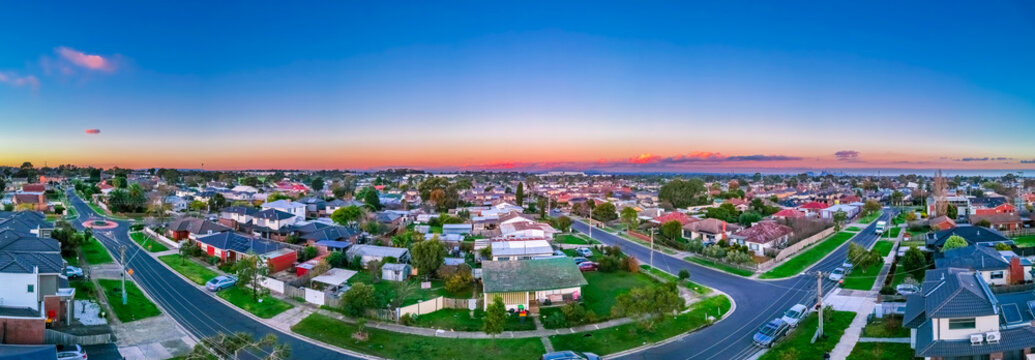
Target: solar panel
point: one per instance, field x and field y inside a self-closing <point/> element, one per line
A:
<point x="1031" y="307"/>
<point x="1012" y="314"/>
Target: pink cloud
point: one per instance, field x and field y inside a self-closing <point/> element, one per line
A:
<point x="93" y="131"/>
<point x="644" y="159"/>
<point x="18" y="80"/>
<point x="81" y="59"/>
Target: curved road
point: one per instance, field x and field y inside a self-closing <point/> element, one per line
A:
<point x="195" y="310"/>
<point x="757" y="301"/>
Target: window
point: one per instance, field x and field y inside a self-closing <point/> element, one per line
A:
<point x="30" y="288"/>
<point x="997" y="275"/>
<point x="956" y="324"/>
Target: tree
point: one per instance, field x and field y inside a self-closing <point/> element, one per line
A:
<point x="495" y="319"/>
<point x="725" y="212"/>
<point x="839" y="219"/>
<point x="684" y="274"/>
<point x="358" y="299"/>
<point x="861" y="257"/>
<point x="629" y="217"/>
<point x="249" y="271"/>
<point x="336" y="259"/>
<point x="519" y="196"/>
<point x="871" y="206"/>
<point x="427" y="256"/>
<point x="186" y="250"/>
<point x="460" y="280"/>
<point x="278" y="196"/>
<point x="223" y="345"/>
<point x="371" y="198"/>
<point x="197" y="205"/>
<point x="954" y="242"/>
<point x="681" y="193"/>
<point x="649" y="304"/>
<point x="317" y="184"/>
<point x="910" y="216"/>
<point x="896" y="197"/>
<point x="672" y="230"/>
<point x="914" y="263"/>
<point x="216" y="202"/>
<point x="605" y="212"/>
<point x="563" y="223"/>
<point x="749" y="217"/>
<point x="952" y="211"/>
<point x="348" y="215"/>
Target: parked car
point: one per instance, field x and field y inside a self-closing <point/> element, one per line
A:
<point x="795" y="314"/>
<point x="70" y="352"/>
<point x="770" y="332"/>
<point x="848" y="267"/>
<point x="341" y="290"/>
<point x="907" y="289"/>
<point x="580" y="260"/>
<point x="221" y="282"/>
<point x="570" y="355"/>
<point x="837" y="274"/>
<point x="588" y="266"/>
<point x="585" y="252"/>
<point x="73" y="272"/>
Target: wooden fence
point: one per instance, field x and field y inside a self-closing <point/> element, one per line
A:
<point x="795" y="249"/>
<point x="57" y="337"/>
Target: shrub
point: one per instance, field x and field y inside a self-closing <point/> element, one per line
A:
<point x="406" y="320"/>
<point x="684" y="274"/>
<point x="609" y="263"/>
<point x="576" y="314"/>
<point x="555" y="320"/>
<point x="135" y="227"/>
<point x="631" y="264"/>
<point x="887" y="290"/>
<point x="213" y="260"/>
<point x="460" y="280"/>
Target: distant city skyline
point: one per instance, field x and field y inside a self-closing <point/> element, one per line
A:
<point x="653" y="87"/>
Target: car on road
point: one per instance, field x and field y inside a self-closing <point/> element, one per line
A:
<point x="70" y="352"/>
<point x="837" y="274"/>
<point x="221" y="282"/>
<point x="580" y="260"/>
<point x="588" y="266"/>
<point x="73" y="272"/>
<point x="570" y="355"/>
<point x="585" y="252"/>
<point x="770" y="332"/>
<point x="795" y="314"/>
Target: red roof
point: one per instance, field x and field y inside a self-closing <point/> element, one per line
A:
<point x="34" y="188"/>
<point x="682" y="218"/>
<point x="815" y="205"/>
<point x="764" y="232"/>
<point x="789" y="213"/>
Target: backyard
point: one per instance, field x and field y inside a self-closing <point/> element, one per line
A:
<point x="599" y="295"/>
<point x="700" y="260"/>
<point x="1025" y="241"/>
<point x="386" y="289"/>
<point x="267" y="306"/>
<point x="95" y="254"/>
<point x="145" y="242"/>
<point x="137" y="307"/>
<point x="406" y="346"/>
<point x="888" y="327"/>
<point x="84" y="289"/>
<point x="813" y="254"/>
<point x="797" y="344"/>
<point x="189" y="268"/>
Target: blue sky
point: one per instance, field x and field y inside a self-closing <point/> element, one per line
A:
<point x="533" y="85"/>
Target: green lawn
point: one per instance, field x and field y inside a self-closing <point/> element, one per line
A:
<point x="95" y="254"/>
<point x="137" y="307"/>
<point x="575" y="239"/>
<point x="628" y="336"/>
<point x="917" y="233"/>
<point x="697" y="288"/>
<point x="96" y="208"/>
<point x="853" y="229"/>
<point x="883" y="247"/>
<point x="813" y="254"/>
<point x="882" y="351"/>
<point x="386" y="289"/>
<point x="147" y="243"/>
<point x="462" y="320"/>
<point x="700" y="260"/>
<point x="888" y="327"/>
<point x="871" y="217"/>
<point x="242" y="298"/>
<point x="84" y="289"/>
<point x="863" y="278"/>
<point x="899" y="219"/>
<point x="599" y="295"/>
<point x="405" y="346"/>
<point x="646" y="244"/>
<point x="189" y="268"/>
<point x="797" y="344"/>
<point x="1025" y="241"/>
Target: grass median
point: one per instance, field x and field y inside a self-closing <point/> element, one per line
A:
<point x="719" y="266"/>
<point x="807" y="258"/>
<point x="137" y="305"/>
<point x="266" y="307"/>
<point x="147" y="243"/>
<point x="407" y="346"/>
<point x="188" y="268"/>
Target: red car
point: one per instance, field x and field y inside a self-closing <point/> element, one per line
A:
<point x="588" y="266"/>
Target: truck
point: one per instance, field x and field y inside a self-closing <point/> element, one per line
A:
<point x="881" y="225"/>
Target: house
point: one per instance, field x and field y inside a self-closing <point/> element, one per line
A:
<point x="709" y="230"/>
<point x="514" y="217"/>
<point x="315" y="231"/>
<point x="849" y="210"/>
<point x="325" y="246"/>
<point x="527" y="229"/>
<point x="1004" y="208"/>
<point x="191" y="228"/>
<point x="274" y="219"/>
<point x="26" y="222"/>
<point x="234" y="216"/>
<point x="229" y="246"/>
<point x="457" y="229"/>
<point x="296" y="209"/>
<point x="368" y="253"/>
<point x="975" y="235"/>
<point x="505" y="250"/>
<point x="336" y="204"/>
<point x="501" y="209"/>
<point x="176" y="203"/>
<point x="314" y="206"/>
<point x="34" y="200"/>
<point x="523" y="283"/>
<point x="682" y="218"/>
<point x="396" y="272"/>
<point x="763" y="236"/>
<point x="940" y="223"/>
<point x="993" y="265"/>
<point x="999" y="221"/>
<point x="33" y="290"/>
<point x="962" y="204"/>
<point x="957" y="316"/>
<point x="788" y="213"/>
<point x="812" y="208"/>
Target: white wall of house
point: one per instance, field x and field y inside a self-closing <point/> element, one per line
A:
<point x="983" y="324"/>
<point x="14" y="290"/>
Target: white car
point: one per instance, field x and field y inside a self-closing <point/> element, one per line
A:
<point x="795" y="314"/>
<point x="837" y="274"/>
<point x="70" y="352"/>
<point x="585" y="252"/>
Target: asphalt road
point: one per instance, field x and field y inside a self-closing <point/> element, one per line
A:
<point x="197" y="311"/>
<point x="756" y="301"/>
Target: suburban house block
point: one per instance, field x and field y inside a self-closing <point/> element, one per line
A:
<point x="764" y="235"/>
<point x="709" y="230"/>
<point x="191" y="228"/>
<point x="940" y="223"/>
<point x="999" y="221"/>
<point x="230" y="246"/>
<point x="235" y="216"/>
<point x="527" y="230"/>
<point x="296" y="209"/>
<point x="368" y="253"/>
<point x="523" y="283"/>
<point x="992" y="265"/>
<point x="33" y="290"/>
<point x="520" y="249"/>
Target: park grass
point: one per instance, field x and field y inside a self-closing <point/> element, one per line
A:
<point x="883" y="247"/>
<point x="632" y="335"/>
<point x="146" y="242"/>
<point x="881" y="351"/>
<point x="401" y="346"/>
<point x="807" y="258"/>
<point x="137" y="307"/>
<point x="888" y="327"/>
<point x="703" y="261"/>
<point x="1024" y="241"/>
<point x="269" y="307"/>
<point x="600" y="293"/>
<point x="189" y="268"/>
<point x="871" y="217"/>
<point x="464" y="320"/>
<point x="797" y="344"/>
<point x="575" y="239"/>
<point x="95" y="254"/>
<point x="853" y="229"/>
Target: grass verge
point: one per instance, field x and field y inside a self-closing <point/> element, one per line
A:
<point x="797" y="344"/>
<point x="719" y="266"/>
<point x="266" y="307"/>
<point x="806" y="258"/>
<point x="137" y="306"/>
<point x="95" y="254"/>
<point x="881" y="351"/>
<point x="188" y="268"/>
<point x="146" y="242"/>
<point x="871" y="217"/>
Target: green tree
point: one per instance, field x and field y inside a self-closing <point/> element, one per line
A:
<point x="336" y="259"/>
<point x="495" y="319"/>
<point x="224" y="345"/>
<point x="278" y="196"/>
<point x="372" y="198"/>
<point x="317" y="184"/>
<point x="749" y="217"/>
<point x="681" y="193"/>
<point x="914" y="263"/>
<point x="954" y="242"/>
<point x="649" y="304"/>
<point x="871" y="206"/>
<point x="249" y="272"/>
<point x="358" y="299"/>
<point x="684" y="274"/>
<point x="427" y="256"/>
<point x="348" y="215"/>
<point x="629" y="217"/>
<point x="216" y="202"/>
<point x="563" y="223"/>
<point x="839" y="219"/>
<point x="952" y="211"/>
<point x="672" y="230"/>
<point x="896" y="197"/>
<point x="519" y="195"/>
<point x="605" y="212"/>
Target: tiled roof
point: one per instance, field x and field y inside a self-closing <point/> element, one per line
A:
<point x="273" y="214"/>
<point x="20" y="253"/>
<point x="233" y="241"/>
<point x="531" y="275"/>
<point x="196" y="226"/>
<point x="954" y="292"/>
<point x="973" y="234"/>
<point x="763" y="232"/>
<point x="980" y="258"/>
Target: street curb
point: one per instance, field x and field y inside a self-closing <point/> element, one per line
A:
<point x="733" y="307"/>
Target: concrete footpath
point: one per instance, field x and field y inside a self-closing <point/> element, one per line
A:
<point x="862" y="306"/>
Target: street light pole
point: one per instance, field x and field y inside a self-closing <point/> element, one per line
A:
<point x="651" y="248"/>
<point x="122" y="252"/>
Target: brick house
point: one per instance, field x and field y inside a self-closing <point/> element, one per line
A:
<point x="229" y="246"/>
<point x="33" y="290"/>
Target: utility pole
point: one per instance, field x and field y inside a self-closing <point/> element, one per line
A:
<point x="819" y="300"/>
<point x="651" y="248"/>
<point x="122" y="252"/>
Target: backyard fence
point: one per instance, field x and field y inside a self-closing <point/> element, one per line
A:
<point x="57" y="337"/>
<point x="274" y="285"/>
<point x="423" y="307"/>
<point x="156" y="236"/>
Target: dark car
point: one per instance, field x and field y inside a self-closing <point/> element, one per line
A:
<point x="588" y="266"/>
<point x="570" y="355"/>
<point x="770" y="332"/>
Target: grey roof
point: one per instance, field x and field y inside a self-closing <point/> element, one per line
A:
<point x="240" y="210"/>
<point x="334" y="244"/>
<point x="336" y="203"/>
<point x="955" y="292"/>
<point x="973" y="235"/>
<point x="387" y="217"/>
<point x="21" y="253"/>
<point x="377" y="251"/>
<point x="531" y="275"/>
<point x="331" y="233"/>
<point x="980" y="258"/>
<point x="1011" y="340"/>
<point x="273" y="214"/>
<point x="914" y="314"/>
<point x="23" y="221"/>
<point x="196" y="226"/>
<point x="233" y="241"/>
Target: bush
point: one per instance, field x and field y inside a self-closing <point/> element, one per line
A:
<point x="406" y="320"/>
<point x="555" y="320"/>
<point x="576" y="314"/>
<point x="609" y="263"/>
<point x="631" y="264"/>
<point x="136" y="227"/>
<point x="460" y="280"/>
<point x="887" y="290"/>
<point x="684" y="274"/>
<point x="212" y="260"/>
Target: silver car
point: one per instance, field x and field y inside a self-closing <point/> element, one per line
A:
<point x="221" y="282"/>
<point x="837" y="274"/>
<point x="795" y="314"/>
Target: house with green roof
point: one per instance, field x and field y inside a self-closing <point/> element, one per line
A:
<point x="523" y="283"/>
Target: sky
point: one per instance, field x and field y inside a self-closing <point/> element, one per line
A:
<point x="613" y="86"/>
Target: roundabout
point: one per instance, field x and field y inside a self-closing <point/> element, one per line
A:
<point x="98" y="224"/>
